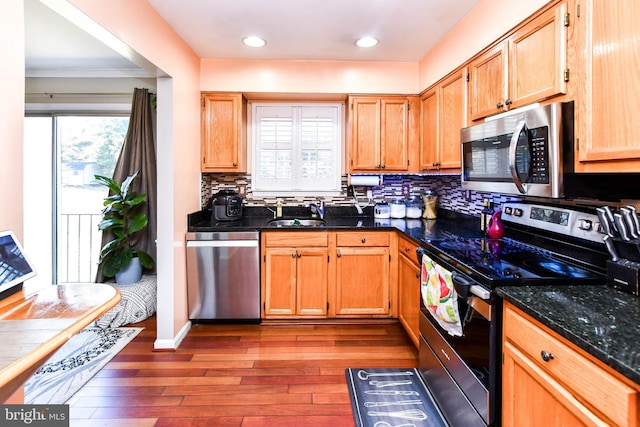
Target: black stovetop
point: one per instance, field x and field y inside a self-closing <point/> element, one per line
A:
<point x="509" y="262"/>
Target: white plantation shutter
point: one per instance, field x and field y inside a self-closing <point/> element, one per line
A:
<point x="297" y="147"/>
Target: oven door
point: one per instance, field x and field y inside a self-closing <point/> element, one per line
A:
<point x="462" y="372"/>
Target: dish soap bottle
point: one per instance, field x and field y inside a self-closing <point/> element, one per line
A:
<point x="278" y="208"/>
<point x="485" y="215"/>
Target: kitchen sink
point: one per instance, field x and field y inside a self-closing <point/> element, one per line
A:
<point x="297" y="222"/>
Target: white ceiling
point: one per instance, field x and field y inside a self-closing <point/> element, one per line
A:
<point x="294" y="30"/>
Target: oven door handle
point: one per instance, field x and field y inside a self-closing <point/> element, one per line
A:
<point x="465" y="286"/>
<point x="513" y="149"/>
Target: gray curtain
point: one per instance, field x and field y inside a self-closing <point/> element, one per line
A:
<point x="138" y="154"/>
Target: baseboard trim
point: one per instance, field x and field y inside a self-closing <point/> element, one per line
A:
<point x="172" y="344"/>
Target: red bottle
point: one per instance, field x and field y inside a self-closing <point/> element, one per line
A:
<point x="495" y="227"/>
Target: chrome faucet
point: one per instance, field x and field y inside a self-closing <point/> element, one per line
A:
<point x="317" y="209"/>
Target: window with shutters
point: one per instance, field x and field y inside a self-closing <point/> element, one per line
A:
<point x="297" y="148"/>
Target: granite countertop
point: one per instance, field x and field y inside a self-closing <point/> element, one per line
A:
<point x="448" y="225"/>
<point x="600" y="320"/>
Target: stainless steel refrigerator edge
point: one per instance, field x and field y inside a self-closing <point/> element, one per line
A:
<point x="223" y="275"/>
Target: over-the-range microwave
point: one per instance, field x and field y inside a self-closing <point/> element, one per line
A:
<point x="530" y="152"/>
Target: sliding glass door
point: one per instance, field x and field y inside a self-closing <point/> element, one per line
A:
<point x="62" y="202"/>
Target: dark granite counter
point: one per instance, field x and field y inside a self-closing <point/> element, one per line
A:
<point x="448" y="225"/>
<point x="600" y="320"/>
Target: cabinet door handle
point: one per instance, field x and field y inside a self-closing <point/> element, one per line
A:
<point x="377" y="166"/>
<point x="293" y="255"/>
<point x="383" y="166"/>
<point x="546" y="356"/>
<point x="499" y="105"/>
<point x="417" y="275"/>
<point x="339" y="254"/>
<point x="407" y="249"/>
<point x="235" y="164"/>
<point x="364" y="240"/>
<point x="508" y="102"/>
<point x="299" y="255"/>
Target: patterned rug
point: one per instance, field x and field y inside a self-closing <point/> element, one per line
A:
<point x="75" y="363"/>
<point x="386" y="397"/>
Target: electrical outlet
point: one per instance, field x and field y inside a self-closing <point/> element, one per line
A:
<point x="369" y="194"/>
<point x="350" y="191"/>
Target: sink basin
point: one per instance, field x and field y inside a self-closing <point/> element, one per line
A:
<point x="297" y="222"/>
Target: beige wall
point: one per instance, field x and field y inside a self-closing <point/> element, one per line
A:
<point x="483" y="25"/>
<point x="11" y="115"/>
<point x="141" y="28"/>
<point x="309" y="76"/>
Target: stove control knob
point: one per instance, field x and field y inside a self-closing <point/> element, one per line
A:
<point x="585" y="224"/>
<point x="507" y="272"/>
<point x="517" y="275"/>
<point x="517" y="212"/>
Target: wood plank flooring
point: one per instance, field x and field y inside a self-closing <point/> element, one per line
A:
<point x="240" y="375"/>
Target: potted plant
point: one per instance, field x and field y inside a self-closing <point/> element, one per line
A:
<point x="121" y="217"/>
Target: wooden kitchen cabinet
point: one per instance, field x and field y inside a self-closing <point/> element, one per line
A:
<point x="379" y="140"/>
<point x="363" y="265"/>
<point x="409" y="289"/>
<point x="443" y="112"/>
<point x="548" y="381"/>
<point x="527" y="67"/>
<point x="223" y="132"/>
<point x="607" y="104"/>
<point x="295" y="274"/>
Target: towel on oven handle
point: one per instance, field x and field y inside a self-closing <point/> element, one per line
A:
<point x="439" y="296"/>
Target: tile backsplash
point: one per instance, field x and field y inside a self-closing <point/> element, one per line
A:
<point x="451" y="196"/>
<point x="447" y="187"/>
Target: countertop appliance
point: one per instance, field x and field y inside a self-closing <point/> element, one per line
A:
<point x="223" y="276"/>
<point x="562" y="246"/>
<point x="226" y="205"/>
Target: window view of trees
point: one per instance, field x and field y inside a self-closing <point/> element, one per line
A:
<point x="88" y="146"/>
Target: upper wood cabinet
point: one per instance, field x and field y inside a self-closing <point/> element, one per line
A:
<point x="609" y="101"/>
<point x="443" y="111"/>
<point x="529" y="66"/>
<point x="379" y="139"/>
<point x="223" y="130"/>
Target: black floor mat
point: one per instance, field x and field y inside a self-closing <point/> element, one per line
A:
<point x="391" y="397"/>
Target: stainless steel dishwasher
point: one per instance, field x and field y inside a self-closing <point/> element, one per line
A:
<point x="223" y="276"/>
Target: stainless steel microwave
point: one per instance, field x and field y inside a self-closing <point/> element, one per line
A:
<point x="519" y="153"/>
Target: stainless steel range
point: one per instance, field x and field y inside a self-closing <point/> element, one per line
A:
<point x="460" y="357"/>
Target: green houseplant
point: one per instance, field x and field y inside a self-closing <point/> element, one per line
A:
<point x="121" y="217"/>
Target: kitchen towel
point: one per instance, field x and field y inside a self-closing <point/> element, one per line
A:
<point x="439" y="296"/>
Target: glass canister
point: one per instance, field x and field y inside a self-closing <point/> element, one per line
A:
<point x="430" y="200"/>
<point x="398" y="208"/>
<point x="414" y="207"/>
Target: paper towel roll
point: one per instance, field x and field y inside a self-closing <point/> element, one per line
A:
<point x="365" y="180"/>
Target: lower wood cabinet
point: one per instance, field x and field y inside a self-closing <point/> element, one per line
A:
<point x="547" y="381"/>
<point x="320" y="274"/>
<point x="409" y="289"/>
<point x="362" y="273"/>
<point x="295" y="271"/>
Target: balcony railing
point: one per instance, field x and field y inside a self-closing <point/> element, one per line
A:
<point x="78" y="251"/>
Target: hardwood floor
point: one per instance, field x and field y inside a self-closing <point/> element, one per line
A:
<point x="240" y="375"/>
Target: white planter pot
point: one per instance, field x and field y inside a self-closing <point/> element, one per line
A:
<point x="131" y="274"/>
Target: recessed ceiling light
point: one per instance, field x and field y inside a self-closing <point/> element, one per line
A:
<point x="366" y="42"/>
<point x="254" y="41"/>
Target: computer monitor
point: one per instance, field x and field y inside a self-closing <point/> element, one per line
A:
<point x="14" y="266"/>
